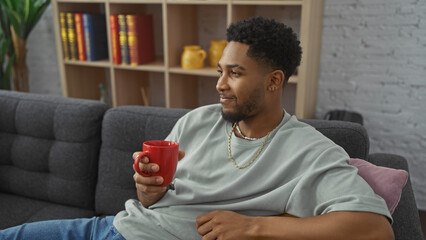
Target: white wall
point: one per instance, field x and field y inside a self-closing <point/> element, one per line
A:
<point x="42" y="58"/>
<point x="373" y="61"/>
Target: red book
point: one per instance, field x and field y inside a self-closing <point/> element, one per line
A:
<point x="140" y="32"/>
<point x="79" y="32"/>
<point x="115" y="39"/>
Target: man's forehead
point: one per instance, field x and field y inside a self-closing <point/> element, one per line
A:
<point x="235" y="56"/>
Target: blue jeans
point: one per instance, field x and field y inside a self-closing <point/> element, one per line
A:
<point x="73" y="229"/>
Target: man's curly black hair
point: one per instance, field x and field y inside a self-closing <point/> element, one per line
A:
<point x="270" y="42"/>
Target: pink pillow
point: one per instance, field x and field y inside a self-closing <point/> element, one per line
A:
<point x="386" y="182"/>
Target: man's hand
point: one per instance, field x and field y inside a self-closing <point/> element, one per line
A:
<point x="148" y="188"/>
<point x="225" y="225"/>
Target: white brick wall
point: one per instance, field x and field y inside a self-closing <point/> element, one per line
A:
<point x="42" y="58"/>
<point x="373" y="61"/>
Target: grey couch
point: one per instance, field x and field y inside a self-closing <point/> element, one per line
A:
<point x="71" y="158"/>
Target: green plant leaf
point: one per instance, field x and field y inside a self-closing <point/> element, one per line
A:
<point x="6" y="74"/>
<point x="10" y="4"/>
<point x="4" y="46"/>
<point x="15" y="21"/>
<point x="27" y="10"/>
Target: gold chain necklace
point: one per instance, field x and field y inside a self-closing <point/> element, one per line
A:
<point x="242" y="135"/>
<point x="230" y="154"/>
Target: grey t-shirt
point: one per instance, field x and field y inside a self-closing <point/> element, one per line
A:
<point x="299" y="172"/>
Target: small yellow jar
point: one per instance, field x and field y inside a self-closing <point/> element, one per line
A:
<point x="215" y="51"/>
<point x="193" y="57"/>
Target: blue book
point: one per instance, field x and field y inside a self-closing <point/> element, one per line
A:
<point x="123" y="38"/>
<point x="95" y="36"/>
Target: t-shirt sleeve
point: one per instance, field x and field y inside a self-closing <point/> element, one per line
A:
<point x="175" y="133"/>
<point x="330" y="184"/>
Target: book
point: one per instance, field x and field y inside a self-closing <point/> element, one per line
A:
<point x="95" y="36"/>
<point x="64" y="35"/>
<point x="79" y="32"/>
<point x="71" y="36"/>
<point x="140" y="32"/>
<point x="124" y="44"/>
<point x="115" y="39"/>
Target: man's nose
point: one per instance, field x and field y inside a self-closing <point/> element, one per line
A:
<point x="222" y="83"/>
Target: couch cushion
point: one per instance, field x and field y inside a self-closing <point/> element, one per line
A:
<point x="406" y="222"/>
<point x="17" y="210"/>
<point x="386" y="182"/>
<point x="124" y="130"/>
<point x="49" y="147"/>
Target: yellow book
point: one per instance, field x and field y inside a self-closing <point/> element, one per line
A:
<point x="64" y="35"/>
<point x="72" y="37"/>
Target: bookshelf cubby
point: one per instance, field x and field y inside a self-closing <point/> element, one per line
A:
<point x="187" y="22"/>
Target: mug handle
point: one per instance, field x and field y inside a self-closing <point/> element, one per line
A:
<point x="137" y="161"/>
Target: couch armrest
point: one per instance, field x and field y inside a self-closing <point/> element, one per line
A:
<point x="406" y="223"/>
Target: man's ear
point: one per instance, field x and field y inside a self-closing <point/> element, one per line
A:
<point x="276" y="80"/>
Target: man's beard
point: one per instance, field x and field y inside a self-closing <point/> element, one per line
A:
<point x="245" y="110"/>
<point x="234" y="117"/>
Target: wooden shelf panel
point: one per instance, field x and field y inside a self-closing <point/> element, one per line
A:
<point x="207" y="71"/>
<point x="157" y="66"/>
<point x="101" y="63"/>
<point x="83" y="80"/>
<point x="135" y="1"/>
<point x="81" y="1"/>
<point x="198" y="2"/>
<point x="293" y="80"/>
<point x="278" y="2"/>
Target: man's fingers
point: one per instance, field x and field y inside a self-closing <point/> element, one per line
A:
<point x="204" y="228"/>
<point x="139" y="179"/>
<point x="149" y="168"/>
<point x="181" y="155"/>
<point x="202" y="219"/>
<point x="135" y="155"/>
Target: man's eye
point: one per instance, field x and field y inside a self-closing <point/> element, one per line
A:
<point x="220" y="72"/>
<point x="233" y="73"/>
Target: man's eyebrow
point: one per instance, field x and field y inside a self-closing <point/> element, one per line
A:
<point x="233" y="66"/>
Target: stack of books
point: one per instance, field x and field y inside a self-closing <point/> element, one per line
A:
<point x="132" y="39"/>
<point x="84" y="36"/>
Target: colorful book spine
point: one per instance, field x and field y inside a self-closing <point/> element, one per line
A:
<point x="115" y="39"/>
<point x="95" y="36"/>
<point x="140" y="33"/>
<point x="124" y="45"/>
<point x="79" y="31"/>
<point x="64" y="35"/>
<point x="71" y="36"/>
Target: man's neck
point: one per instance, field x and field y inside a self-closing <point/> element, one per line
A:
<point x="260" y="125"/>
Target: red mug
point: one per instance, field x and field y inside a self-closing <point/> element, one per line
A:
<point x="163" y="153"/>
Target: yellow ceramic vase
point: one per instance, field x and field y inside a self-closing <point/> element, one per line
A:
<point x="193" y="57"/>
<point x="215" y="51"/>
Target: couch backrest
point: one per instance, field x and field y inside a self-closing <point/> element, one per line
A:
<point x="49" y="147"/>
<point x="350" y="136"/>
<point x="126" y="127"/>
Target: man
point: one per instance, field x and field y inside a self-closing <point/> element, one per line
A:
<point x="252" y="158"/>
<point x="244" y="163"/>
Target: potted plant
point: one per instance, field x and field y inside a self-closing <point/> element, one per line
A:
<point x="18" y="18"/>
